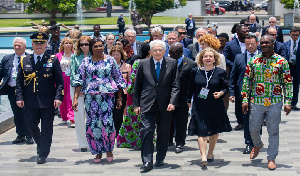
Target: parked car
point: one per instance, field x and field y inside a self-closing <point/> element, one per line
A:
<point x="262" y="5"/>
<point x="225" y="4"/>
<point x="221" y="9"/>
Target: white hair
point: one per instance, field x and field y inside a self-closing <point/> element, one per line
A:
<point x="157" y="29"/>
<point x="201" y="29"/>
<point x="272" y="18"/>
<point x="190" y="14"/>
<point x="20" y="39"/>
<point x="157" y="42"/>
<point x="130" y="30"/>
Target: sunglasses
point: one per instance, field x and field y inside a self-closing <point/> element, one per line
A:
<point x="182" y="33"/>
<point x="271" y="21"/>
<point x="84" y="44"/>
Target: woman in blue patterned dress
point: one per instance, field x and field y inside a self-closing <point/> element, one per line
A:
<point x="99" y="78"/>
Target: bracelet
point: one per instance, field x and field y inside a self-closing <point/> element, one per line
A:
<point x="119" y="99"/>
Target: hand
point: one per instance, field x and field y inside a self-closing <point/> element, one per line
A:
<point x="170" y="107"/>
<point x="287" y="109"/>
<point x="232" y="99"/>
<point x="57" y="103"/>
<point x="245" y="107"/>
<point x="189" y="105"/>
<point x="119" y="103"/>
<point x="218" y="94"/>
<point x="137" y="110"/>
<point x="20" y="103"/>
<point x="74" y="105"/>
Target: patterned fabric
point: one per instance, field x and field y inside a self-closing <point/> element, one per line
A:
<point x="129" y="134"/>
<point x="53" y="46"/>
<point x="99" y="100"/>
<point x="265" y="79"/>
<point x="75" y="63"/>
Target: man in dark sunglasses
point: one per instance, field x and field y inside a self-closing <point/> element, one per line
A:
<point x="182" y="36"/>
<point x="279" y="47"/>
<point x="272" y="23"/>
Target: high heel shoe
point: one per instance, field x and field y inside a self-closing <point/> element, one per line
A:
<point x="109" y="159"/>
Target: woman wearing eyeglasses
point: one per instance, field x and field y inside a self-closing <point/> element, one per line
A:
<point x="81" y="52"/>
<point x="99" y="77"/>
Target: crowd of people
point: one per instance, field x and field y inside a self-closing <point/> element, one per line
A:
<point x="139" y="93"/>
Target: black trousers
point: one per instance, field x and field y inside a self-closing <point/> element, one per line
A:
<point x="247" y="136"/>
<point x="19" y="118"/>
<point x="238" y="110"/>
<point x="190" y="32"/>
<point x="295" y="84"/>
<point x="148" y="120"/>
<point x="179" y="122"/>
<point x="43" y="136"/>
<point x="118" y="113"/>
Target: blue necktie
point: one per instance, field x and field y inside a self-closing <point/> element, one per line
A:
<point x="157" y="70"/>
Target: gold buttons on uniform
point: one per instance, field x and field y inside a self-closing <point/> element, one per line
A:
<point x="37" y="90"/>
<point x="37" y="83"/>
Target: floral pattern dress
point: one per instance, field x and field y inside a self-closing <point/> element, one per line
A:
<point x="99" y="81"/>
<point x="129" y="134"/>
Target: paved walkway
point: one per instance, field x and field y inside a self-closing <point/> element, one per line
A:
<point x="66" y="159"/>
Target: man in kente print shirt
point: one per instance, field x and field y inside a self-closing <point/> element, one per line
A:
<point x="267" y="82"/>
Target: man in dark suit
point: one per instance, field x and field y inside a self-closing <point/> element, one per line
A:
<point x="182" y="36"/>
<point x="273" y="22"/>
<point x="39" y="88"/>
<point x="195" y="47"/>
<point x="279" y="47"/>
<point x="231" y="49"/>
<point x="8" y="73"/>
<point x="173" y="37"/>
<point x="155" y="95"/>
<point x="130" y="35"/>
<point x="293" y="57"/>
<point x="121" y="24"/>
<point x="236" y="82"/>
<point x="254" y="27"/>
<point x="190" y="26"/>
<point x="180" y="114"/>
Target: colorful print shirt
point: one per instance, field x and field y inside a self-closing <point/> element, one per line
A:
<point x="266" y="79"/>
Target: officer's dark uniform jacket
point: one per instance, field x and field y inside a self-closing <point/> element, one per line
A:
<point x="39" y="87"/>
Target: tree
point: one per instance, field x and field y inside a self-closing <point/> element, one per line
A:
<point x="147" y="8"/>
<point x="54" y="6"/>
<point x="288" y="4"/>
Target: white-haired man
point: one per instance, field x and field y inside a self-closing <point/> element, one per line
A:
<point x="130" y="35"/>
<point x="190" y="26"/>
<point x="155" y="95"/>
<point x="272" y="23"/>
<point x="196" y="47"/>
<point x="8" y="72"/>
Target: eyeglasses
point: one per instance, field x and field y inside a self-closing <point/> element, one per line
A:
<point x="182" y="33"/>
<point x="273" y="34"/>
<point x="158" y="50"/>
<point x="84" y="44"/>
<point x="272" y="21"/>
<point x="97" y="46"/>
<point x="295" y="35"/>
<point x="170" y="52"/>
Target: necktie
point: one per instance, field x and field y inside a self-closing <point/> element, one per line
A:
<point x="294" y="48"/>
<point x="251" y="55"/>
<point x="157" y="70"/>
<point x="19" y="59"/>
<point x="38" y="61"/>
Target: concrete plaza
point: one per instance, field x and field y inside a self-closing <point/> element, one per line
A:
<point x="66" y="159"/>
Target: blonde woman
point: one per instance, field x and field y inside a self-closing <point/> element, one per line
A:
<point x="208" y="86"/>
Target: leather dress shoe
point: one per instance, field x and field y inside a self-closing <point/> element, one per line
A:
<point x="19" y="140"/>
<point x="271" y="165"/>
<point x="146" y="167"/>
<point x="248" y="149"/>
<point x="41" y="160"/>
<point x="29" y="140"/>
<point x="179" y="149"/>
<point x="159" y="163"/>
<point x="239" y="127"/>
<point x="211" y="160"/>
<point x="255" y="151"/>
<point x="295" y="108"/>
<point x="83" y="149"/>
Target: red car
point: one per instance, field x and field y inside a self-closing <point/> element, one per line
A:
<point x="221" y="9"/>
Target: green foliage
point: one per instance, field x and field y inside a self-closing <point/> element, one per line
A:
<point x="288" y="4"/>
<point x="147" y="8"/>
<point x="54" y="6"/>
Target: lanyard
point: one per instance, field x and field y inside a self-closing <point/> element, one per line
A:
<point x="208" y="79"/>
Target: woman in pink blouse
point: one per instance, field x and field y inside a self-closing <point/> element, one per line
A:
<point x="64" y="57"/>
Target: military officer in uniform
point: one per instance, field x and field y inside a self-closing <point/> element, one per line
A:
<point x="40" y="89"/>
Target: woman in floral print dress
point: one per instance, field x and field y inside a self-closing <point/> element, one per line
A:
<point x="99" y="77"/>
<point x="129" y="134"/>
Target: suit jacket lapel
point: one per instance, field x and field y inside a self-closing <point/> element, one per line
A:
<point x="11" y="61"/>
<point x="152" y="69"/>
<point x="163" y="69"/>
<point x="184" y="62"/>
<point x="43" y="61"/>
<point x="197" y="47"/>
<point x="275" y="47"/>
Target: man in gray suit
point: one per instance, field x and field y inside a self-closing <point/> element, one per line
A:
<point x="155" y="95"/>
<point x="254" y="27"/>
<point x="130" y="35"/>
<point x="195" y="47"/>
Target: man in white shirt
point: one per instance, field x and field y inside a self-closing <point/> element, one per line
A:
<point x="130" y="35"/>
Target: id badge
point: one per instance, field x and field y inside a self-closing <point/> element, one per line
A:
<point x="203" y="93"/>
<point x="14" y="75"/>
